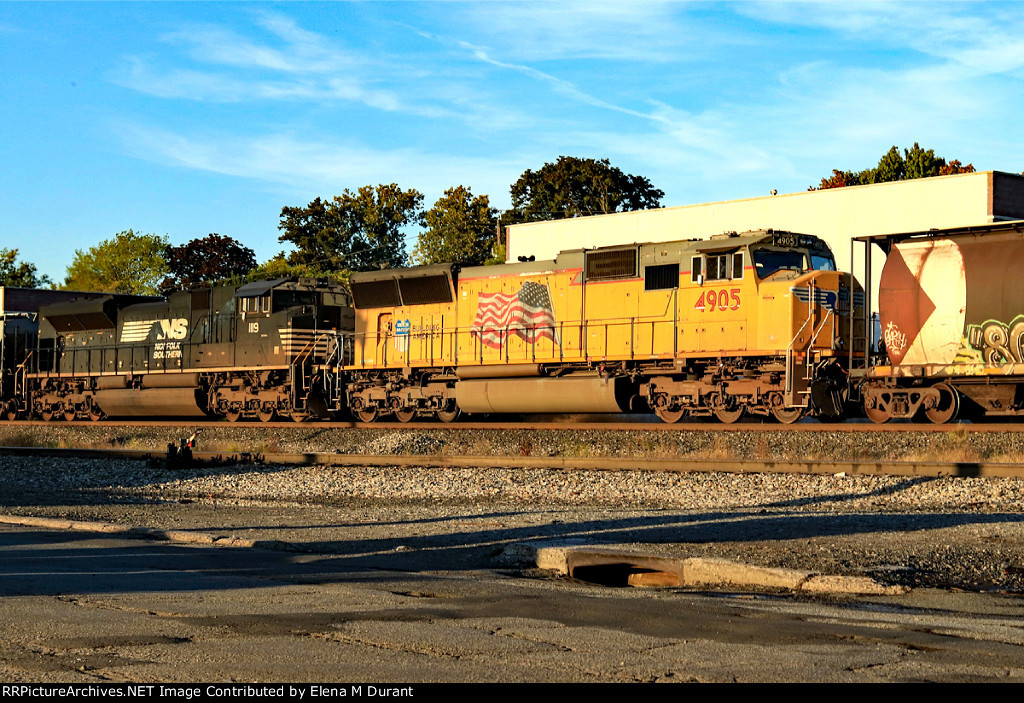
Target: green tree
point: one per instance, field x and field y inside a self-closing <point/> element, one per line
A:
<point x="573" y="187"/>
<point x="127" y="263"/>
<point x="19" y="275"/>
<point x="278" y="267"/>
<point x="212" y="258"/>
<point x="315" y="230"/>
<point x="459" y="228"/>
<point x="915" y="162"/>
<point x="891" y="167"/>
<point x="358" y="231"/>
<point x="497" y="255"/>
<point x="921" y="163"/>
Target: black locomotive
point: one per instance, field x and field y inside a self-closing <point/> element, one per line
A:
<point x="258" y="350"/>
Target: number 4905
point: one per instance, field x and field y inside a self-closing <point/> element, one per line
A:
<point x="721" y="299"/>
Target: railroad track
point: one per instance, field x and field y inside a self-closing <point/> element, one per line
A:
<point x="660" y="464"/>
<point x="560" y="424"/>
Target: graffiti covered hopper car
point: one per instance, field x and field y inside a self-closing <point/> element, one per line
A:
<point x="951" y="309"/>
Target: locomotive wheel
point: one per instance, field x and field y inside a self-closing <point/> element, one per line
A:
<point x="405" y="415"/>
<point x="449" y="415"/>
<point x="300" y="416"/>
<point x="46" y="413"/>
<point x="95" y="414"/>
<point x="949" y="404"/>
<point x="366" y="415"/>
<point x="11" y="411"/>
<point x="670" y="416"/>
<point x="70" y="414"/>
<point x="266" y="414"/>
<point x="728" y="415"/>
<point x="875" y="414"/>
<point x="233" y="415"/>
<point x="787" y="416"/>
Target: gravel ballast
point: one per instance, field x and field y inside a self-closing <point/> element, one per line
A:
<point x="941" y="532"/>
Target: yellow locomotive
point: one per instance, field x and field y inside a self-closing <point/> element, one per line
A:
<point x="758" y="322"/>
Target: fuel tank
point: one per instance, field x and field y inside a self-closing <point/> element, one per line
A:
<point x="573" y="394"/>
<point x="161" y="395"/>
<point x="151" y="402"/>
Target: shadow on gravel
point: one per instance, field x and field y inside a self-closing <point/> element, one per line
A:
<point x="776" y="533"/>
<point x="662" y="528"/>
<point x="875" y="544"/>
<point x="38" y="562"/>
<point x="860" y="495"/>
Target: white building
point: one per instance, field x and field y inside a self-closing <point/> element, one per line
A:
<point x="836" y="215"/>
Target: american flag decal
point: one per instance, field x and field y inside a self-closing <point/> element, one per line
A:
<point x="526" y="314"/>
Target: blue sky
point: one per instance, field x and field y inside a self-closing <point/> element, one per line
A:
<point x="182" y="119"/>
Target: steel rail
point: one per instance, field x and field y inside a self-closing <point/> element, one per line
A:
<point x="676" y="465"/>
<point x="553" y="425"/>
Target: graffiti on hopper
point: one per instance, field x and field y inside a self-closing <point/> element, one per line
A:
<point x="998" y="342"/>
<point x="895" y="341"/>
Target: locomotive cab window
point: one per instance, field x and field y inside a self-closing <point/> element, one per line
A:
<point x="284" y="299"/>
<point x="256" y="304"/>
<point x="770" y="261"/>
<point x="717" y="267"/>
<point x="720" y="267"/>
<point x="822" y="262"/>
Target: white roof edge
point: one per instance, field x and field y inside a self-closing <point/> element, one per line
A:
<point x="803" y="193"/>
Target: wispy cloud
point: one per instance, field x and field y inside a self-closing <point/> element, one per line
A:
<point x="289" y="63"/>
<point x="226" y="87"/>
<point x="717" y="122"/>
<point x="986" y="38"/>
<point x="559" y="85"/>
<point x="645" y="31"/>
<point x="300" y="51"/>
<point x="321" y="165"/>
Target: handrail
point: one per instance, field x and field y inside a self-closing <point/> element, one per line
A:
<point x="300" y="363"/>
<point x="788" y="389"/>
<point x="20" y="388"/>
<point x="539" y="343"/>
<point x="814" y="336"/>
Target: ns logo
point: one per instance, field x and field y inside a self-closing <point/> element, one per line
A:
<point x="134" y="331"/>
<point x="172" y="329"/>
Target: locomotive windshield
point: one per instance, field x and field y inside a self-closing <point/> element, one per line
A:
<point x="769" y="261"/>
<point x="284" y="299"/>
<point x="822" y="262"/>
